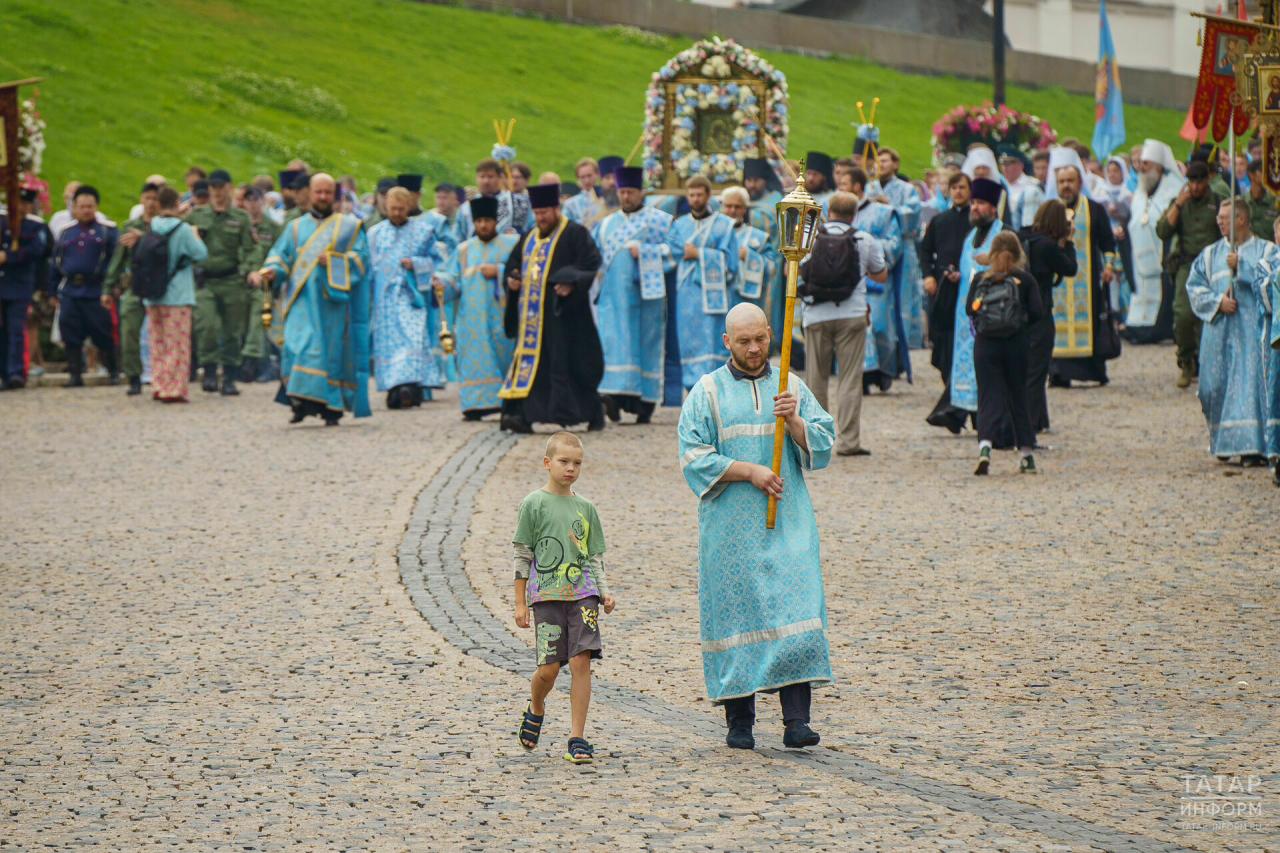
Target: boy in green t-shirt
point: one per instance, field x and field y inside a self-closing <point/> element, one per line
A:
<point x="560" y="574"/>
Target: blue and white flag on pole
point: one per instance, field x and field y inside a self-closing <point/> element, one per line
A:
<point x="1108" y="127"/>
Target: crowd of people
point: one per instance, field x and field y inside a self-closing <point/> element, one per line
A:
<point x="575" y="302"/>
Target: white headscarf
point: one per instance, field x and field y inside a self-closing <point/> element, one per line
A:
<point x="1060" y="158"/>
<point x="1157" y="152"/>
<point x="982" y="156"/>
<point x="1118" y="192"/>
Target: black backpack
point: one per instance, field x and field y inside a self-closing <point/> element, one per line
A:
<point x="150" y="265"/>
<point x="999" y="312"/>
<point x="834" y="268"/>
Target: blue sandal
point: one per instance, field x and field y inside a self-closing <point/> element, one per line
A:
<point x="580" y="752"/>
<point x="528" y="730"/>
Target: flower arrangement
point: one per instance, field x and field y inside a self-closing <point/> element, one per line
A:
<point x="713" y="59"/>
<point x="956" y="130"/>
<point x="30" y="137"/>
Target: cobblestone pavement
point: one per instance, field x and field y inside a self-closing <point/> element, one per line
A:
<point x="206" y="642"/>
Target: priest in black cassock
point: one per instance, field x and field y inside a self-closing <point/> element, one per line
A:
<point x="558" y="362"/>
<point x="940" y="251"/>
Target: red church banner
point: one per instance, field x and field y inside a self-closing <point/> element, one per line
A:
<point x="1217" y="78"/>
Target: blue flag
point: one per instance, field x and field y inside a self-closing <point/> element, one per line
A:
<point x="1108" y="127"/>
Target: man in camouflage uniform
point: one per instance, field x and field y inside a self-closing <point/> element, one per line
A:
<point x="1192" y="218"/>
<point x="255" y="363"/>
<point x="129" y="308"/>
<point x="222" y="295"/>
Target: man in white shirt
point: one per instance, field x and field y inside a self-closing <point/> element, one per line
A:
<point x="838" y="329"/>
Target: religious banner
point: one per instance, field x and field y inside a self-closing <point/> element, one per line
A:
<point x="14" y="161"/>
<point x="1256" y="96"/>
<point x="706" y="111"/>
<point x="1217" y="81"/>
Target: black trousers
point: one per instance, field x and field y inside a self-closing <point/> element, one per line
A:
<point x="1000" y="366"/>
<point x="1041" y="337"/>
<point x="84" y="317"/>
<point x="794" y="698"/>
<point x="13" y="337"/>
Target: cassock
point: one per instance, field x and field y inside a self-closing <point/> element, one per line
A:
<point x="1150" y="319"/>
<point x="940" y="249"/>
<point x="1082" y="303"/>
<point x="887" y="356"/>
<point x="404" y="352"/>
<point x="1233" y="362"/>
<point x="325" y="358"/>
<point x="763" y="615"/>
<point x="905" y="198"/>
<point x="703" y="290"/>
<point x="483" y="348"/>
<point x="631" y="305"/>
<point x="558" y="361"/>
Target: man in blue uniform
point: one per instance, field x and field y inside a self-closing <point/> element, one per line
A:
<point x="18" y="268"/>
<point x="84" y="249"/>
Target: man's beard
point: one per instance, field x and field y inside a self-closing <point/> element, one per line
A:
<point x="322" y="208"/>
<point x="633" y="208"/>
<point x="1068" y="198"/>
<point x="980" y="220"/>
<point x="698" y="212"/>
<point x="1150" y="180"/>
<point x="756" y="195"/>
<point x="609" y="196"/>
<point x="744" y="367"/>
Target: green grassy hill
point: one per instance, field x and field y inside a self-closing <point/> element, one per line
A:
<point x="134" y="87"/>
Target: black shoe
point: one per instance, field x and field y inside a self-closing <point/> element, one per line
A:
<point x="113" y="377"/>
<point x="861" y="451"/>
<point x="1252" y="461"/>
<point x="407" y="397"/>
<point x="740" y="737"/>
<point x="229" y="384"/>
<point x="516" y="424"/>
<point x="885" y="383"/>
<point x="135" y="386"/>
<point x="1275" y="475"/>
<point x="393" y="398"/>
<point x="596" y="426"/>
<point x="647" y="417"/>
<point x="1059" y="382"/>
<point x="210" y="382"/>
<point x="472" y="416"/>
<point x="799" y="735"/>
<point x="16" y="382"/>
<point x="611" y="407"/>
<point x="76" y="381"/>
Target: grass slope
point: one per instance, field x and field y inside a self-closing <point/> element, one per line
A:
<point x="383" y="86"/>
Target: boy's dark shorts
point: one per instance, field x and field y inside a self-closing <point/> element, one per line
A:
<point x="567" y="628"/>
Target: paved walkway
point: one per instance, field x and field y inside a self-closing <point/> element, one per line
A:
<point x="220" y="632"/>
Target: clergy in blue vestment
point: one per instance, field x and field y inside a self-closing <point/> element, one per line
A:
<point x="515" y="216"/>
<point x="763" y="615"/>
<point x="757" y="259"/>
<point x="1269" y="297"/>
<point x="558" y="363"/>
<point x="598" y="198"/>
<point x="819" y="177"/>
<point x="403" y="252"/>
<point x="892" y="189"/>
<point x="472" y="281"/>
<point x="631" y="305"/>
<point x="762" y="184"/>
<point x="1225" y="286"/>
<point x="704" y="243"/>
<point x="887" y="356"/>
<point x="320" y="264"/>
<point x="453" y="225"/>
<point x="960" y="398"/>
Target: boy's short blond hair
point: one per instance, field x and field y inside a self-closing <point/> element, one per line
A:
<point x="561" y="439"/>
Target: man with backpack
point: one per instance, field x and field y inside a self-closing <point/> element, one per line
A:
<point x="162" y="278"/>
<point x="129" y="307"/>
<point x="835" y="318"/>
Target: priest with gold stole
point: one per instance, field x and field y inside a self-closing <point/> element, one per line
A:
<point x="320" y="264"/>
<point x="558" y="361"/>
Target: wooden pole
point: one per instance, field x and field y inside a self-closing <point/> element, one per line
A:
<point x="997" y="52"/>
<point x="784" y="370"/>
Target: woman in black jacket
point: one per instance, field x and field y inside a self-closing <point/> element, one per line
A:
<point x="1000" y="362"/>
<point x="1051" y="256"/>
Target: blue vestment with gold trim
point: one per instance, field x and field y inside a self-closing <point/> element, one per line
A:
<point x="325" y="357"/>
